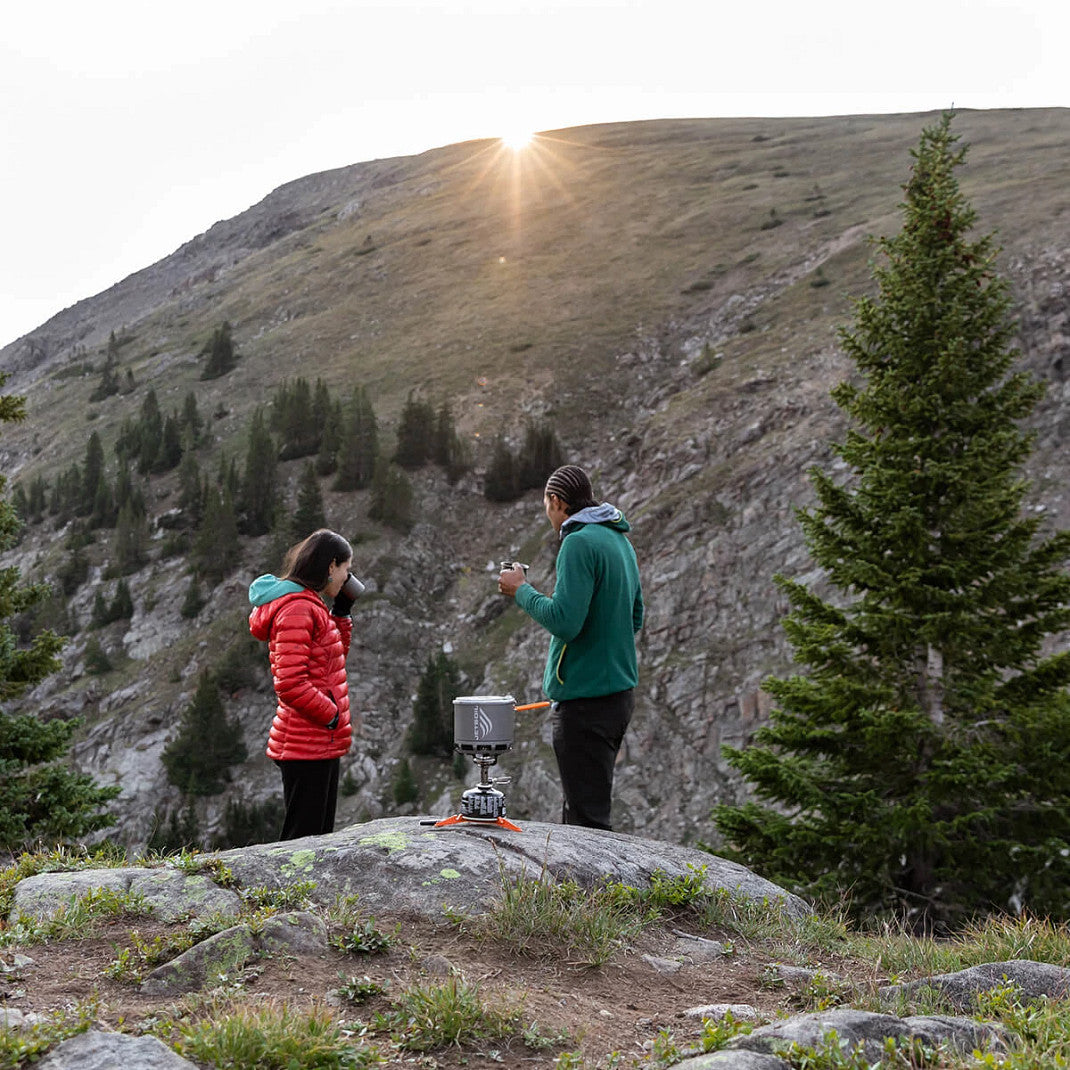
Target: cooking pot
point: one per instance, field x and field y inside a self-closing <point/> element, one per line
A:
<point x="483" y="724"/>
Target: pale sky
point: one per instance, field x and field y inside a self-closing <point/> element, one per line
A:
<point x="131" y="126"/>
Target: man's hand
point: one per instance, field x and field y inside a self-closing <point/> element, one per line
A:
<point x="510" y="580"/>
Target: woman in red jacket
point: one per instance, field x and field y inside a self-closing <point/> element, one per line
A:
<point x="308" y="648"/>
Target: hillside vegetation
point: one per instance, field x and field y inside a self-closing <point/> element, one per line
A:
<point x="663" y="295"/>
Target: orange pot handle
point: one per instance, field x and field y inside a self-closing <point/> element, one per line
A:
<point x="532" y="706"/>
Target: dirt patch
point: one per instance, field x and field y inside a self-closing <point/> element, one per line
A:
<point x="621" y="1006"/>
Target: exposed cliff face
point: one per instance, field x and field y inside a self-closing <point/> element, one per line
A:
<point x="701" y="426"/>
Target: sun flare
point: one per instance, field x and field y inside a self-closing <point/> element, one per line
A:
<point x="518" y="140"/>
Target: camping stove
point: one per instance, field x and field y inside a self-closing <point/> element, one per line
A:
<point x="483" y="729"/>
<point x="484" y="802"/>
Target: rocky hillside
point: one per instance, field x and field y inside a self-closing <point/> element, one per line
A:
<point x="665" y="293"/>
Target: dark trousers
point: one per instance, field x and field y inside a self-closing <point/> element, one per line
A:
<point x="310" y="793"/>
<point x="587" y="736"/>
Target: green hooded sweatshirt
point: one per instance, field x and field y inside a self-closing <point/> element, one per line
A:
<point x="595" y="610"/>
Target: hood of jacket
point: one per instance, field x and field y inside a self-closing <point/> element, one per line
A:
<point x="267" y="588"/>
<point x="605" y="513"/>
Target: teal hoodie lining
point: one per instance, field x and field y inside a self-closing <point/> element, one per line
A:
<point x="267" y="588"/>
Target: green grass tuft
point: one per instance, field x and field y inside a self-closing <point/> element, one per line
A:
<point x="274" y="1037"/>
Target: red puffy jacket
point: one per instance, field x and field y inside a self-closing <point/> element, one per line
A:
<point x="308" y="649"/>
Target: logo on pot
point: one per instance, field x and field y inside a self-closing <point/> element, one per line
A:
<point x="482" y="725"/>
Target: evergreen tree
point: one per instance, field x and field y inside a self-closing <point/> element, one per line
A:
<point x="149" y="434"/>
<point x="109" y="380"/>
<point x="98" y="617"/>
<point x="330" y="440"/>
<point x="66" y="498"/>
<point x="20" y="502"/>
<point x="292" y="417"/>
<point x="358" y="447"/>
<point x="122" y="605"/>
<point x="258" y="494"/>
<point x="539" y="456"/>
<point x="309" y="516"/>
<point x="190" y="491"/>
<point x="502" y="481"/>
<point x="207" y="745"/>
<point x="42" y="800"/>
<point x="97" y="662"/>
<point x="416" y="430"/>
<point x="431" y="731"/>
<point x="405" y="789"/>
<point x="127" y="494"/>
<point x="228" y="479"/>
<point x="38" y="499"/>
<point x="73" y="572"/>
<point x="193" y="602"/>
<point x="104" y="513"/>
<point x="214" y="544"/>
<point x="131" y="541"/>
<point x="447" y="449"/>
<point x="191" y="423"/>
<point x="220" y="353"/>
<point x="169" y="453"/>
<point x="321" y="403"/>
<point x="923" y="764"/>
<point x="92" y="473"/>
<point x="391" y="499"/>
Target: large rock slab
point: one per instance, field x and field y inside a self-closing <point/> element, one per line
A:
<point x="853" y="1027"/>
<point x="405" y="863"/>
<point x="733" y="1060"/>
<point x="1033" y="980"/>
<point x="106" y="1051"/>
<point x="170" y="894"/>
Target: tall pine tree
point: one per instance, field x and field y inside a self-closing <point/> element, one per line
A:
<point x="216" y="540"/>
<point x="258" y="491"/>
<point x="220" y="351"/>
<point x="41" y="798"/>
<point x="309" y="516"/>
<point x="431" y="731"/>
<point x="416" y="433"/>
<point x="208" y="743"/>
<point x="922" y="765"/>
<point x="358" y="447"/>
<point x="391" y="498"/>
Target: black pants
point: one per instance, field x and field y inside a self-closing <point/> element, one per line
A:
<point x="310" y="792"/>
<point x="587" y="736"/>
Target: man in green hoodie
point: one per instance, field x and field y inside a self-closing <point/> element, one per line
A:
<point x="592" y="618"/>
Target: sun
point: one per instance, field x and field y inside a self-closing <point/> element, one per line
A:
<point x="518" y="140"/>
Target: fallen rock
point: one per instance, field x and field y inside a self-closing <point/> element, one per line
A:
<point x="663" y="965"/>
<point x="170" y="894"/>
<point x="870" y="1029"/>
<point x="1034" y="979"/>
<point x="230" y="950"/>
<point x="697" y="949"/>
<point x="733" y="1060"/>
<point x="106" y="1051"/>
<point x="293" y="934"/>
<point x="11" y="1018"/>
<point x="742" y="1012"/>
<point x="221" y="953"/>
